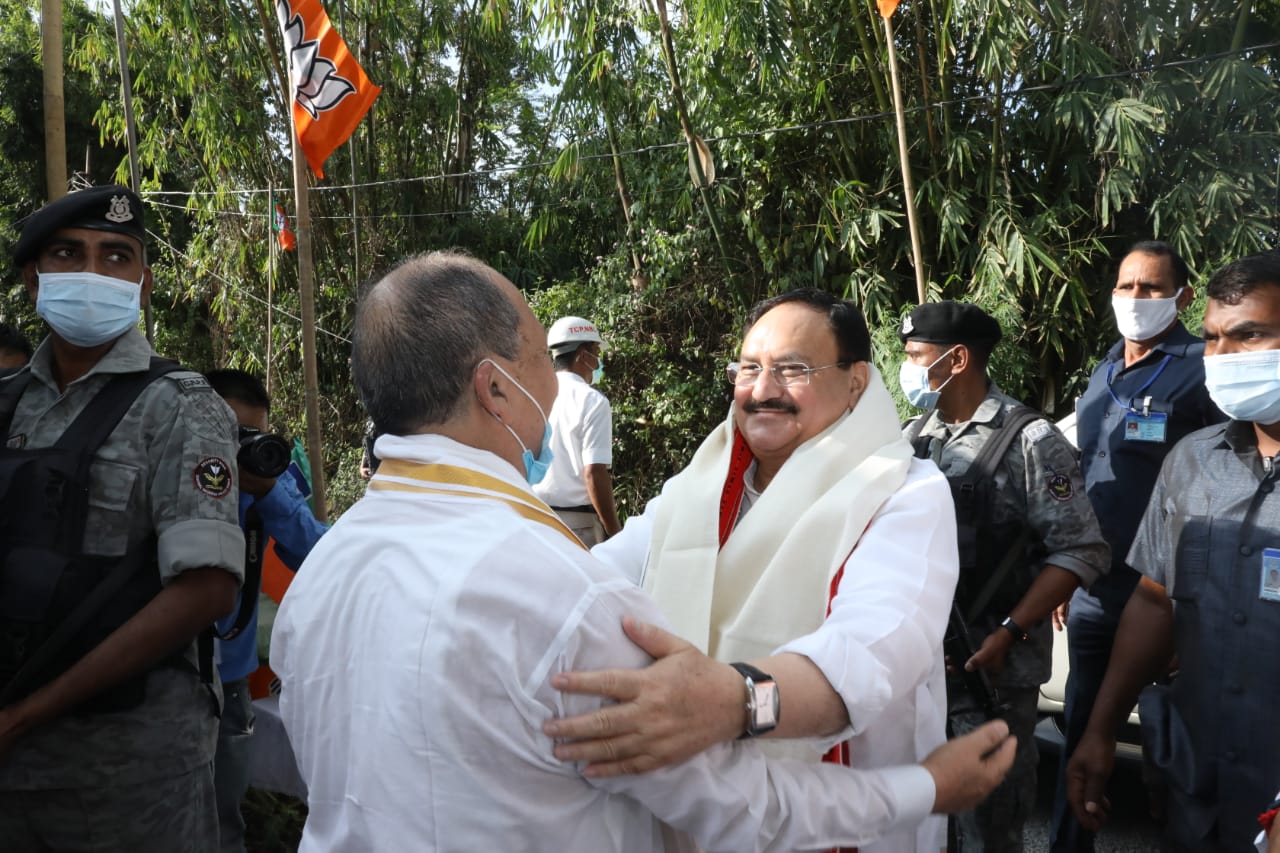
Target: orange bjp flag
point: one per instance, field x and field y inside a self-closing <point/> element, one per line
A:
<point x="887" y="7"/>
<point x="331" y="93"/>
<point x="288" y="241"/>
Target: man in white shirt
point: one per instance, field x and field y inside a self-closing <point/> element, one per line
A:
<point x="803" y="544"/>
<point x="578" y="485"/>
<point x="417" y="646"/>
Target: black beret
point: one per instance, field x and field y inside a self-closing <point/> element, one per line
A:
<point x="949" y="322"/>
<point x="110" y="208"/>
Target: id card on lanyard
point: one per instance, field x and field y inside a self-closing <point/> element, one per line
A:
<point x="1269" y="586"/>
<point x="1142" y="424"/>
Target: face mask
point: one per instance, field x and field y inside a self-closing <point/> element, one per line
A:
<point x="87" y="309"/>
<point x="598" y="373"/>
<point x="535" y="468"/>
<point x="1245" y="385"/>
<point x="1144" y="319"/>
<point x="914" y="380"/>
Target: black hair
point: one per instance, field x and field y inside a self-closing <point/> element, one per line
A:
<point x="564" y="360"/>
<point x="1239" y="278"/>
<point x="853" y="341"/>
<point x="1161" y="249"/>
<point x="421" y="330"/>
<point x="233" y="384"/>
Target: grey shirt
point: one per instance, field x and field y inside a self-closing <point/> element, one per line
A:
<point x="1037" y="483"/>
<point x="158" y="472"/>
<point x="1212" y="513"/>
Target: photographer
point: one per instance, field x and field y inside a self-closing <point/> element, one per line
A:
<point x="271" y="504"/>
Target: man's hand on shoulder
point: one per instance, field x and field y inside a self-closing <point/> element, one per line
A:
<point x="966" y="770"/>
<point x="666" y="713"/>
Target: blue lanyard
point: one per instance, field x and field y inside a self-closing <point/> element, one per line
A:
<point x="1111" y="368"/>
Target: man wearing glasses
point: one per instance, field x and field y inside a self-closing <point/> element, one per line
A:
<point x="809" y="558"/>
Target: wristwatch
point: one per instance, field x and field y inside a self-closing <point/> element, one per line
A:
<point x="1014" y="628"/>
<point x="764" y="705"/>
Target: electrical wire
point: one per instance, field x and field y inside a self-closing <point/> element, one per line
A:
<point x="227" y="282"/>
<point x="750" y="134"/>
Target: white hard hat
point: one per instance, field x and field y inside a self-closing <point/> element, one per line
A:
<point x="568" y="333"/>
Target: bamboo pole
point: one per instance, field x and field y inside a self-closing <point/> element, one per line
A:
<point x="55" y="121"/>
<point x="306" y="289"/>
<point x="131" y="132"/>
<point x="908" y="189"/>
<point x="272" y="241"/>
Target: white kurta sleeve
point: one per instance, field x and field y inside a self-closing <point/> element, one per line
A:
<point x="884" y="635"/>
<point x="729" y="798"/>
<point x="628" y="549"/>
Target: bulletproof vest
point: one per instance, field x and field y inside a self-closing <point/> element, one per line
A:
<point x="56" y="602"/>
<point x="995" y="557"/>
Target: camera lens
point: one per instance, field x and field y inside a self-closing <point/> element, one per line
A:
<point x="263" y="454"/>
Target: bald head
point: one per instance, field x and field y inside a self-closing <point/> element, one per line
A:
<point x="421" y="330"/>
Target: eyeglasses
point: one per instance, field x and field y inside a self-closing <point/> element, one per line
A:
<point x="785" y="374"/>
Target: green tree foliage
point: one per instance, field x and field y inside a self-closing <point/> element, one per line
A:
<point x="549" y="138"/>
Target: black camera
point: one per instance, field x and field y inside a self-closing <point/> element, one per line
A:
<point x="263" y="454"/>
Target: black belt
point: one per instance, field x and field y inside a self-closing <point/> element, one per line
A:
<point x="588" y="508"/>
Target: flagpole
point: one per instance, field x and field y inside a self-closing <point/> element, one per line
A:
<point x="908" y="188"/>
<point x="271" y="279"/>
<point x="131" y="134"/>
<point x="306" y="290"/>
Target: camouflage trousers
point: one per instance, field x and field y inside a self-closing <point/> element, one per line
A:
<point x="175" y="815"/>
<point x="996" y="825"/>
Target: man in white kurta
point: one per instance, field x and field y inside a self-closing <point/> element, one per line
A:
<point x="417" y="647"/>
<point x="804" y="539"/>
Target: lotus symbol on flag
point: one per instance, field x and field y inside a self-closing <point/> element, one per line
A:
<point x="316" y="83"/>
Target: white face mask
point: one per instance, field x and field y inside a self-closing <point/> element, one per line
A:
<point x="87" y="309"/>
<point x="914" y="381"/>
<point x="1245" y="385"/>
<point x="1144" y="319"/>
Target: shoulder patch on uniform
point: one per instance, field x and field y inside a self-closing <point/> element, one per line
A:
<point x="212" y="477"/>
<point x="193" y="383"/>
<point x="1060" y="488"/>
<point x="1037" y="430"/>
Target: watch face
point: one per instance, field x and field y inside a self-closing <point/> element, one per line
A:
<point x="766" y="706"/>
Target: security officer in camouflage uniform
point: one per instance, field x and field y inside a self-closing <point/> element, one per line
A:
<point x="79" y="772"/>
<point x="1032" y="540"/>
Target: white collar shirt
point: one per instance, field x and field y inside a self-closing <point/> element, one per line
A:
<point x="581" y="435"/>
<point x="416" y="648"/>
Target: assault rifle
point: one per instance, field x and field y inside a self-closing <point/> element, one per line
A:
<point x="958" y="646"/>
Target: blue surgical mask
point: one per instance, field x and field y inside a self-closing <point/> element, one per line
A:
<point x="535" y="467"/>
<point x="1245" y="385"/>
<point x="914" y="380"/>
<point x="87" y="309"/>
<point x="598" y="373"/>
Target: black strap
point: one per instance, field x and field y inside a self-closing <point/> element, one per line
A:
<point x="100" y="418"/>
<point x="255" y="547"/>
<point x="87" y="433"/>
<point x="982" y="468"/>
<point x="988" y="459"/>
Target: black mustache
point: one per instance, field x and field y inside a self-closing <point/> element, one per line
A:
<point x="767" y="406"/>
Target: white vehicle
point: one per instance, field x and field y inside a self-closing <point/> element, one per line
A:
<point x="1053" y="693"/>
